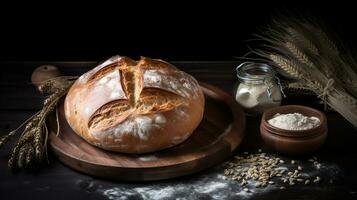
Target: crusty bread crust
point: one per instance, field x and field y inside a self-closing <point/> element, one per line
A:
<point x="133" y="106"/>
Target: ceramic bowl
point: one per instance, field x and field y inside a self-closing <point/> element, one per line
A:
<point x="293" y="142"/>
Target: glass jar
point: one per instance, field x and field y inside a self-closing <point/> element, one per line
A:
<point x="258" y="89"/>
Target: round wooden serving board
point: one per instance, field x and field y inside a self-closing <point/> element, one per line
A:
<point x="217" y="136"/>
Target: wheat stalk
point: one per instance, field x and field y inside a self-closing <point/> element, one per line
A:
<point x="286" y="65"/>
<point x="325" y="41"/>
<point x="32" y="145"/>
<point x="317" y="66"/>
<point x="302" y="41"/>
<point x="334" y="63"/>
<point x="302" y="57"/>
<point x="299" y="85"/>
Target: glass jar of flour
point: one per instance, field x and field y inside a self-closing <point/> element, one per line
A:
<point x="258" y="89"/>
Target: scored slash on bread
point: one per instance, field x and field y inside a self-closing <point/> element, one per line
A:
<point x="140" y="100"/>
<point x="132" y="80"/>
<point x="133" y="106"/>
<point x="118" y="110"/>
<point x="155" y="100"/>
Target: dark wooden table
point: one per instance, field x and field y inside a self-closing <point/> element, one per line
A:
<point x="19" y="99"/>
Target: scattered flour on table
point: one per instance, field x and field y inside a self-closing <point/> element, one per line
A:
<point x="210" y="186"/>
<point x="149" y="193"/>
<point x="205" y="185"/>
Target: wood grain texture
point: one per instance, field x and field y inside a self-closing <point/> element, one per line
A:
<point x="57" y="181"/>
<point x="218" y="135"/>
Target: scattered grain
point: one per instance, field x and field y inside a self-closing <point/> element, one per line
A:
<point x="260" y="170"/>
<point x="317" y="179"/>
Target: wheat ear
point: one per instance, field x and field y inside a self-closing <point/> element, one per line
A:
<point x="286" y="65"/>
<point x="302" y="57"/>
<point x="302" y="40"/>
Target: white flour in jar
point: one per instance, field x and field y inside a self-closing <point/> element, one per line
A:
<point x="294" y="121"/>
<point x="255" y="98"/>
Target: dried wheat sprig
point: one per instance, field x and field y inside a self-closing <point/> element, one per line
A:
<point x="299" y="85"/>
<point x="299" y="44"/>
<point x="300" y="39"/>
<point x="348" y="99"/>
<point x="46" y="138"/>
<point x="299" y="88"/>
<point x="306" y="53"/>
<point x="12" y="163"/>
<point x="334" y="97"/>
<point x="324" y="38"/>
<point x="38" y="142"/>
<point x="349" y="111"/>
<point x="22" y="155"/>
<point x="29" y="158"/>
<point x="302" y="57"/>
<point x="31" y="148"/>
<point x="287" y="65"/>
<point x="336" y="65"/>
<point x="7" y="137"/>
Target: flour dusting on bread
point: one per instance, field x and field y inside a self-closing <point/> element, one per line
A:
<point x="134" y="106"/>
<point x="138" y="127"/>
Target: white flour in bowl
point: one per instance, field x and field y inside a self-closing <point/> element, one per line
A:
<point x="294" y="121"/>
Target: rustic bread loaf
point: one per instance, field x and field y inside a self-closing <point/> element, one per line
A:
<point x="134" y="106"/>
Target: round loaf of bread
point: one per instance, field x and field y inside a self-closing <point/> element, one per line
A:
<point x="132" y="106"/>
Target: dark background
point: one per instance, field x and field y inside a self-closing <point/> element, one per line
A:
<point x="175" y="31"/>
<point x="171" y="31"/>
